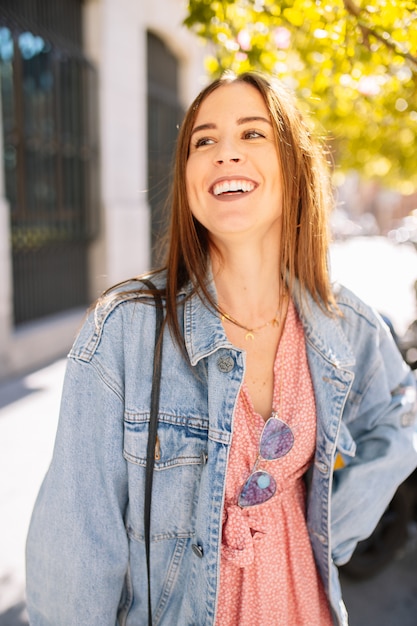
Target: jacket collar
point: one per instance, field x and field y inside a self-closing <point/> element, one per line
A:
<point x="204" y="333"/>
<point x="322" y="330"/>
<point x="203" y="330"/>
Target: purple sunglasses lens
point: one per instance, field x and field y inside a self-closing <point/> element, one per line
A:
<point x="277" y="439"/>
<point x="259" y="488"/>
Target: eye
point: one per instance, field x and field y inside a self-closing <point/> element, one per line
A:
<point x="253" y="134"/>
<point x="203" y="141"/>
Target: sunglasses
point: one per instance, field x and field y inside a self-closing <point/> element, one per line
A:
<point x="276" y="441"/>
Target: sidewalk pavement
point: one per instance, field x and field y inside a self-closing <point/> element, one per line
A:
<point x="29" y="408"/>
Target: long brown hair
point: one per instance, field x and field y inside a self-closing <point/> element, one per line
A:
<point x="306" y="200"/>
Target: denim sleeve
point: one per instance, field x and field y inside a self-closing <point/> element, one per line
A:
<point x="77" y="549"/>
<point x="383" y="431"/>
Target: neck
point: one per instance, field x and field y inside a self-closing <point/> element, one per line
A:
<point x="248" y="282"/>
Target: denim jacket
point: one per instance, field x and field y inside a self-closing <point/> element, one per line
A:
<point x="85" y="551"/>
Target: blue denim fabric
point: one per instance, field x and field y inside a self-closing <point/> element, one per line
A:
<point x="85" y="551"/>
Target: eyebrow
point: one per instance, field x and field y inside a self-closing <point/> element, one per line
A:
<point x="239" y="122"/>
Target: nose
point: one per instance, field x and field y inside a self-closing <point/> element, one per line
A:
<point x="228" y="152"/>
<point x="230" y="160"/>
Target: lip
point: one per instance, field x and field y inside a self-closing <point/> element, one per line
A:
<point x="235" y="177"/>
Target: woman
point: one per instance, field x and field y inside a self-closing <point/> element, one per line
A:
<point x="257" y="347"/>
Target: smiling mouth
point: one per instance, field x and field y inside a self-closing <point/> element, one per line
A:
<point x="231" y="187"/>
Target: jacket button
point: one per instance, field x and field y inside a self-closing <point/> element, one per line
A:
<point x="203" y="457"/>
<point x="225" y="364"/>
<point x="198" y="550"/>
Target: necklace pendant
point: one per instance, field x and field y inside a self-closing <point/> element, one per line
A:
<point x="249" y="335"/>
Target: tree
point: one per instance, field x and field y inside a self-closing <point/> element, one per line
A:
<point x="353" y="63"/>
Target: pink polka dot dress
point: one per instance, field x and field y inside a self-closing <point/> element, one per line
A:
<point x="268" y="576"/>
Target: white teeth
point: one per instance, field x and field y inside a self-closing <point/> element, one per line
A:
<point x="232" y="185"/>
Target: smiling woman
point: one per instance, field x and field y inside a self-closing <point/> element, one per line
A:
<point x="233" y="159"/>
<point x="284" y="404"/>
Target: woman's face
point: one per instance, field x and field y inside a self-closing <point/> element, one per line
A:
<point x="233" y="174"/>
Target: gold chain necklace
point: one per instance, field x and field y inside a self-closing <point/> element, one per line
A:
<point x="250" y="334"/>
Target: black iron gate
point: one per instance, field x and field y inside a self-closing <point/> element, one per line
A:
<point x="48" y="91"/>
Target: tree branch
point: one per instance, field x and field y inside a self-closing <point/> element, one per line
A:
<point x="356" y="11"/>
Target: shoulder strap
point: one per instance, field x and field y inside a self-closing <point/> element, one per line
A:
<point x="153" y="428"/>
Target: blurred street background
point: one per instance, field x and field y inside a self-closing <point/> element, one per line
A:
<point x="92" y="93"/>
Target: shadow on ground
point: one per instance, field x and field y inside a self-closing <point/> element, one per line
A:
<point x="13" y="391"/>
<point x="15" y="616"/>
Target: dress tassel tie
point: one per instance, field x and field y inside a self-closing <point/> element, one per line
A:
<point x="239" y="537"/>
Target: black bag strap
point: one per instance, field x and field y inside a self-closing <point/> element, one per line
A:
<point x="153" y="429"/>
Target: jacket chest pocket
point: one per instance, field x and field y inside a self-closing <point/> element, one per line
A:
<point x="180" y="456"/>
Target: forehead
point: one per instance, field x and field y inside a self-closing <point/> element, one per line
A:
<point x="234" y="100"/>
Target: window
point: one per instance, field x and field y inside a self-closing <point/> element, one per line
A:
<point x="48" y="92"/>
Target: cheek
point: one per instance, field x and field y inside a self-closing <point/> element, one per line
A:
<point x="276" y="178"/>
<point x="192" y="183"/>
<point x="192" y="197"/>
<point x="188" y="183"/>
<point x="189" y="175"/>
